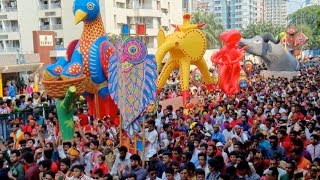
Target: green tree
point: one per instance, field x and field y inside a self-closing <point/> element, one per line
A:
<point x="308" y="19"/>
<point x="213" y="28"/>
<point x="261" y="29"/>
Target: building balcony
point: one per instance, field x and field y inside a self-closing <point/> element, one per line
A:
<point x="138" y="6"/>
<point x="9" y="29"/>
<point x="8" y="9"/>
<point x="55" y="5"/>
<point x="12" y="49"/>
<point x="59" y="46"/>
<point x="12" y="29"/>
<point x="45" y="27"/>
<point x="56" y="26"/>
<point x="43" y="6"/>
<point x="51" y="27"/>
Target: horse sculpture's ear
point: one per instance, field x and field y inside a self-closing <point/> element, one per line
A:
<point x="269" y="37"/>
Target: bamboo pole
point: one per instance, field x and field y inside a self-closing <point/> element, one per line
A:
<point x="1" y="87"/>
<point x="143" y="141"/>
<point x="96" y="102"/>
<point x="135" y="144"/>
<point x="120" y="133"/>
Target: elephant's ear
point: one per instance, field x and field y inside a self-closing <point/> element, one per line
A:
<point x="161" y="37"/>
<point x="193" y="44"/>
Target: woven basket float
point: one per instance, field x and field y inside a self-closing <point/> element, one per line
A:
<point x="58" y="89"/>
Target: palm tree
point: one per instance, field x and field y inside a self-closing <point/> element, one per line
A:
<point x="213" y="28"/>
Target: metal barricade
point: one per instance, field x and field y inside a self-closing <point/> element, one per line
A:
<point x="5" y="128"/>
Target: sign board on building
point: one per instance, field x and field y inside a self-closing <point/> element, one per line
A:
<point x="46" y="40"/>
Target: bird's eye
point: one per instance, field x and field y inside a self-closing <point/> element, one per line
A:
<point x="133" y="49"/>
<point x="257" y="41"/>
<point x="90" y="6"/>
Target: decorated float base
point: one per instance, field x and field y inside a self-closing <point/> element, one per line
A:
<point x="276" y="74"/>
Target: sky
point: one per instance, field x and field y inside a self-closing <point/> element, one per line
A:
<point x="292" y="6"/>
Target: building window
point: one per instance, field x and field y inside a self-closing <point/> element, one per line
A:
<point x="120" y="5"/>
<point x="59" y="42"/>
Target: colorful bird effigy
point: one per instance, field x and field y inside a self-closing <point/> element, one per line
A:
<point x="186" y="45"/>
<point x="132" y="82"/>
<point x="88" y="56"/>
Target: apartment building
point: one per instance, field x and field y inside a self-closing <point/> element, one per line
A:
<point x="234" y="14"/>
<point x="189" y="6"/>
<point x="203" y="5"/>
<point x="18" y="18"/>
<point x="312" y="2"/>
<point x="276" y="12"/>
<point x="152" y="13"/>
<point x="260" y="11"/>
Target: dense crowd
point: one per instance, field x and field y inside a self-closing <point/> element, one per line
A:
<point x="270" y="131"/>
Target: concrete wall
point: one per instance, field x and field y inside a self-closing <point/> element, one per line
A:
<point x="28" y="22"/>
<point x="70" y="30"/>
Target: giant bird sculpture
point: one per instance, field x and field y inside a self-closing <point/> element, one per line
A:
<point x="88" y="56"/>
<point x="272" y="53"/>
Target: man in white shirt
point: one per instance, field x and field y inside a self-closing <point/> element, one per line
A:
<point x="314" y="146"/>
<point x="122" y="159"/>
<point x="227" y="132"/>
<point x="278" y="105"/>
<point x="202" y="158"/>
<point x="208" y="124"/>
<point x="274" y="164"/>
<point x="152" y="174"/>
<point x="151" y="139"/>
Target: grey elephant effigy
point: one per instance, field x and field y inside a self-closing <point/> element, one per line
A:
<point x="272" y="53"/>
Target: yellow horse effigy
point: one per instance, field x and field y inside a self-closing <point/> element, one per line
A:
<point x="186" y="46"/>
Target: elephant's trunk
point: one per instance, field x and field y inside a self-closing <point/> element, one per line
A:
<point x="242" y="43"/>
<point x="162" y="51"/>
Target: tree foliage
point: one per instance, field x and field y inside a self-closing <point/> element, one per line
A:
<point x="309" y="18"/>
<point x="261" y="29"/>
<point x="213" y="28"/>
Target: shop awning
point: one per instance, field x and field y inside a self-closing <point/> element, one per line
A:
<point x="21" y="68"/>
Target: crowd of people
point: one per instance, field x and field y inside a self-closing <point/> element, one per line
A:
<point x="271" y="130"/>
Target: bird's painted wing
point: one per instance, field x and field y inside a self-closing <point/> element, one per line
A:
<point x="114" y="67"/>
<point x="133" y="90"/>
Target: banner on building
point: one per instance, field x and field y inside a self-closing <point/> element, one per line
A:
<point x="46" y="40"/>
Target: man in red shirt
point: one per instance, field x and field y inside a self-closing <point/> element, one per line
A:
<point x="83" y="118"/>
<point x="32" y="169"/>
<point x="285" y="141"/>
<point x="31" y="125"/>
